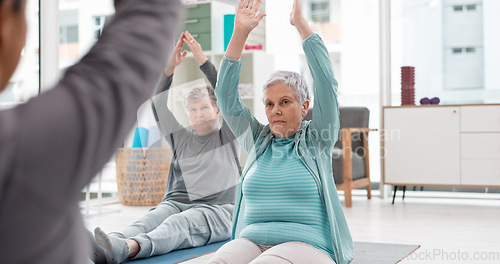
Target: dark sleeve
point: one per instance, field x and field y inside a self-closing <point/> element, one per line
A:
<point x="67" y="134"/>
<point x="210" y="72"/>
<point x="162" y="87"/>
<point x="226" y="131"/>
<point x="165" y="119"/>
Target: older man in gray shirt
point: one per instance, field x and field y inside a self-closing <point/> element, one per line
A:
<point x="198" y="204"/>
<point x="52" y="146"/>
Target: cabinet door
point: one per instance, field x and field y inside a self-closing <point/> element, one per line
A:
<point x="195" y="11"/>
<point x="421" y="145"/>
<point x="480" y="146"/>
<point x="480" y="158"/>
<point x="198" y="25"/>
<point x="481" y="172"/>
<point x="480" y="118"/>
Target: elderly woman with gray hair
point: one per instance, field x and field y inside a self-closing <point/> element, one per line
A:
<point x="287" y="209"/>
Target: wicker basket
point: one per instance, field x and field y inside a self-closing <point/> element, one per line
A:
<point x="141" y="175"/>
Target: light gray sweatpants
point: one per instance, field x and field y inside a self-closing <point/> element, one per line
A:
<point x="244" y="251"/>
<point x="172" y="225"/>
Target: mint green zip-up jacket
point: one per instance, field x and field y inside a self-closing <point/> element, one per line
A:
<point x="315" y="139"/>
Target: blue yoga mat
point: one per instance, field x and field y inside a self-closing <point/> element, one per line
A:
<point x="365" y="253"/>
<point x="180" y="255"/>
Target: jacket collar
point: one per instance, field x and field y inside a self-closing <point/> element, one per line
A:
<point x="300" y="135"/>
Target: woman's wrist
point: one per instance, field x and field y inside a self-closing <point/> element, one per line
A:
<point x="303" y="28"/>
<point x="169" y="71"/>
<point x="202" y="60"/>
<point x="241" y="32"/>
<point x="236" y="45"/>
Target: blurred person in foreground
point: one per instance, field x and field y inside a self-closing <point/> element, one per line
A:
<point x="54" y="144"/>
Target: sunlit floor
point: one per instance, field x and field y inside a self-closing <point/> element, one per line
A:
<point x="449" y="230"/>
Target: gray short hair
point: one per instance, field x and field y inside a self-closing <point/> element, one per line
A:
<point x="292" y="80"/>
<point x="198" y="93"/>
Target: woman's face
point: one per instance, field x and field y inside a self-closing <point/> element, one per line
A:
<point x="203" y="116"/>
<point x="283" y="110"/>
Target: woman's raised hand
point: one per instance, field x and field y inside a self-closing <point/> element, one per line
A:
<point x="298" y="20"/>
<point x="247" y="18"/>
<point x="195" y="48"/>
<point x="296" y="16"/>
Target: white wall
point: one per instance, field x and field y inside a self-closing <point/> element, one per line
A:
<point x="282" y="39"/>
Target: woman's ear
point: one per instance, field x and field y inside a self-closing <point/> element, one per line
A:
<point x="305" y="108"/>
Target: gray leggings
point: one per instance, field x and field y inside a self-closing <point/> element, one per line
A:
<point x="244" y="251"/>
<point x="172" y="225"/>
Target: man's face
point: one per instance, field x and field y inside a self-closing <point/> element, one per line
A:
<point x="13" y="28"/>
<point x="203" y="116"/>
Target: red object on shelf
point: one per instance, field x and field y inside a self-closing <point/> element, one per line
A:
<point x="407" y="85"/>
<point x="254" y="47"/>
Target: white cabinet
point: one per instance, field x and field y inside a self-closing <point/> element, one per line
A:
<point x="480" y="145"/>
<point x="256" y="67"/>
<point x="456" y="145"/>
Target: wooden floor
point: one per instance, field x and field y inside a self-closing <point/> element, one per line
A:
<point x="448" y="229"/>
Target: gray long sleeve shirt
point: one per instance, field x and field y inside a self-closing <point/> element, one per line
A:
<point x="53" y="145"/>
<point x="205" y="168"/>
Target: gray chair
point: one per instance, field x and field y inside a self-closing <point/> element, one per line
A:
<point x="351" y="171"/>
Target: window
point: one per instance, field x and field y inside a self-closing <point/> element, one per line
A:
<point x="68" y="34"/>
<point x="100" y="21"/>
<point x="81" y="23"/>
<point x="464" y="50"/>
<point x="470" y="50"/>
<point x="320" y="11"/>
<point x="355" y="58"/>
<point x="471" y="7"/>
<point x="452" y="52"/>
<point x="464" y="8"/>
